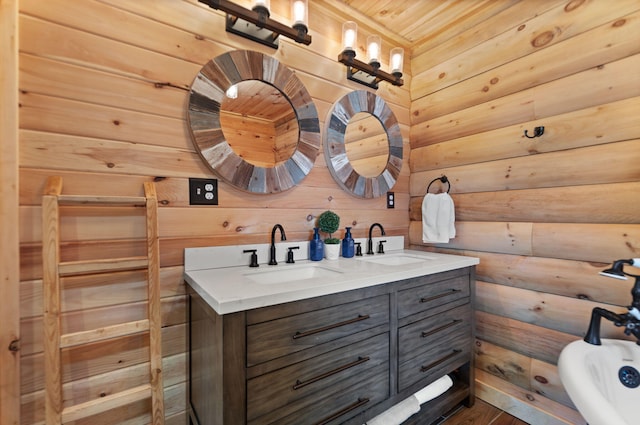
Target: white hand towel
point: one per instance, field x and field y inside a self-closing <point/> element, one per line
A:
<point x="434" y="389"/>
<point x="398" y="413"/>
<point x="438" y="218"/>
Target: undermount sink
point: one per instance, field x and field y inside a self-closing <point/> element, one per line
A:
<point x="292" y="273"/>
<point x="603" y="381"/>
<point x="396" y="259"/>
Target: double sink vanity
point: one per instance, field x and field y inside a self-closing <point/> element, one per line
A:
<point x="328" y="342"/>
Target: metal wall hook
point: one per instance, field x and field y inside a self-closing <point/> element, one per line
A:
<point x="537" y="132"/>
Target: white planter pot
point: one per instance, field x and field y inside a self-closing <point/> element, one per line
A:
<point x="331" y="251"/>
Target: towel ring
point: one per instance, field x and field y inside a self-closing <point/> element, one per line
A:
<point x="443" y="179"/>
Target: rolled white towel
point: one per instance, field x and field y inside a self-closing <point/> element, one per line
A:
<point x="434" y="389"/>
<point x="398" y="413"/>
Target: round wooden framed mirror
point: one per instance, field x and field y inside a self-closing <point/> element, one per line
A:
<point x="273" y="124"/>
<point x="357" y="160"/>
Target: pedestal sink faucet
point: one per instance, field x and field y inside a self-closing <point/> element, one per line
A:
<point x="630" y="320"/>
<point x="370" y="241"/>
<point x="272" y="252"/>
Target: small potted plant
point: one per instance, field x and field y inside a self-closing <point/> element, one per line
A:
<point x="329" y="222"/>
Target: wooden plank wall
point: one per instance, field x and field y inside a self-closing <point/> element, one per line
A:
<point x="9" y="244"/>
<point x="543" y="215"/>
<point x="103" y="94"/>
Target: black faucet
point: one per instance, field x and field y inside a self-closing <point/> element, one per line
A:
<point x="272" y="252"/>
<point x="629" y="320"/>
<point x="370" y="241"/>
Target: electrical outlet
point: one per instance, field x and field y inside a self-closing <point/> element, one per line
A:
<point x="203" y="191"/>
<point x="391" y="200"/>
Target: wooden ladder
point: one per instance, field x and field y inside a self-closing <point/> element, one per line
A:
<point x="54" y="341"/>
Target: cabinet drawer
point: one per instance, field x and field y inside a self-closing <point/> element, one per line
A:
<point x="422" y="336"/>
<point x="306" y="389"/>
<point x="436" y="362"/>
<point x="276" y="338"/>
<point x="432" y="295"/>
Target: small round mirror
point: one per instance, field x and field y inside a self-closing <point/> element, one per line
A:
<point x="370" y="170"/>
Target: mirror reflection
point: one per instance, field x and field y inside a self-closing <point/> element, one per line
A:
<point x="366" y="144"/>
<point x="259" y="123"/>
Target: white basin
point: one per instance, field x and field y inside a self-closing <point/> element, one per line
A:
<point x="590" y="374"/>
<point x="291" y="273"/>
<point x="396" y="259"/>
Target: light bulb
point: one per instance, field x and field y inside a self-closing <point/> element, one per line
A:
<point x="299" y="12"/>
<point x="349" y="35"/>
<point x="373" y="48"/>
<point x="396" y="60"/>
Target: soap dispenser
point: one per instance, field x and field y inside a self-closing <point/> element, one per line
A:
<point x="348" y="246"/>
<point x="316" y="246"/>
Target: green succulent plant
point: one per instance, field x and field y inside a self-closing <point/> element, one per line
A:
<point x="329" y="222"/>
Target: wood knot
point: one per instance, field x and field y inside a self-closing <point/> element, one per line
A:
<point x="619" y="23"/>
<point x="530" y="397"/>
<point x="442" y="75"/>
<point x="541" y="379"/>
<point x="543" y="39"/>
<point x="110" y="165"/>
<point x="239" y="229"/>
<point x="159" y="179"/>
<point x="309" y="217"/>
<point x="583" y="297"/>
<point x="116" y="122"/>
<point x="225" y="224"/>
<point x="164" y="202"/>
<point x="521" y="27"/>
<point x="573" y="5"/>
<point x="494" y="80"/>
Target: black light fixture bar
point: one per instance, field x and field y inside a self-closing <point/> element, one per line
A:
<point x="256" y="24"/>
<point x="365" y="73"/>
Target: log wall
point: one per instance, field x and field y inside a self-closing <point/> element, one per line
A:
<point x="544" y="215"/>
<point x="103" y="97"/>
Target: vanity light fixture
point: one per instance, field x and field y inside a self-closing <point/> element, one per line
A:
<point x="370" y="73"/>
<point x="256" y="24"/>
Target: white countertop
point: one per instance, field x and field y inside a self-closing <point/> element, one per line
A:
<point x="238" y="287"/>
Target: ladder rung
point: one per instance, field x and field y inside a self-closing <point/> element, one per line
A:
<point x="101" y="200"/>
<point x="99" y="334"/>
<point x="71" y="268"/>
<point x="113" y="401"/>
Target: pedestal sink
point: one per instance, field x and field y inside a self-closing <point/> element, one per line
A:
<point x="603" y="381"/>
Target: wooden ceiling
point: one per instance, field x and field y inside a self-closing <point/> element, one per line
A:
<point x="418" y="24"/>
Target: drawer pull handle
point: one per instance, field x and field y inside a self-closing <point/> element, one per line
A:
<point x="442" y="360"/>
<point x="361" y="402"/>
<point x="435" y="297"/>
<point x="360" y="318"/>
<point x="425" y="334"/>
<point x="299" y="384"/>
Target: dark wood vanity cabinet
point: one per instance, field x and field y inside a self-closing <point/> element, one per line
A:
<point x="336" y="359"/>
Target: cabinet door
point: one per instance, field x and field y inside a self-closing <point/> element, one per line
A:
<point x="276" y="338"/>
<point x="308" y="389"/>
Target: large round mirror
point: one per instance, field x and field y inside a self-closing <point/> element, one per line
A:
<point x="249" y="156"/>
<point x="362" y="159"/>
